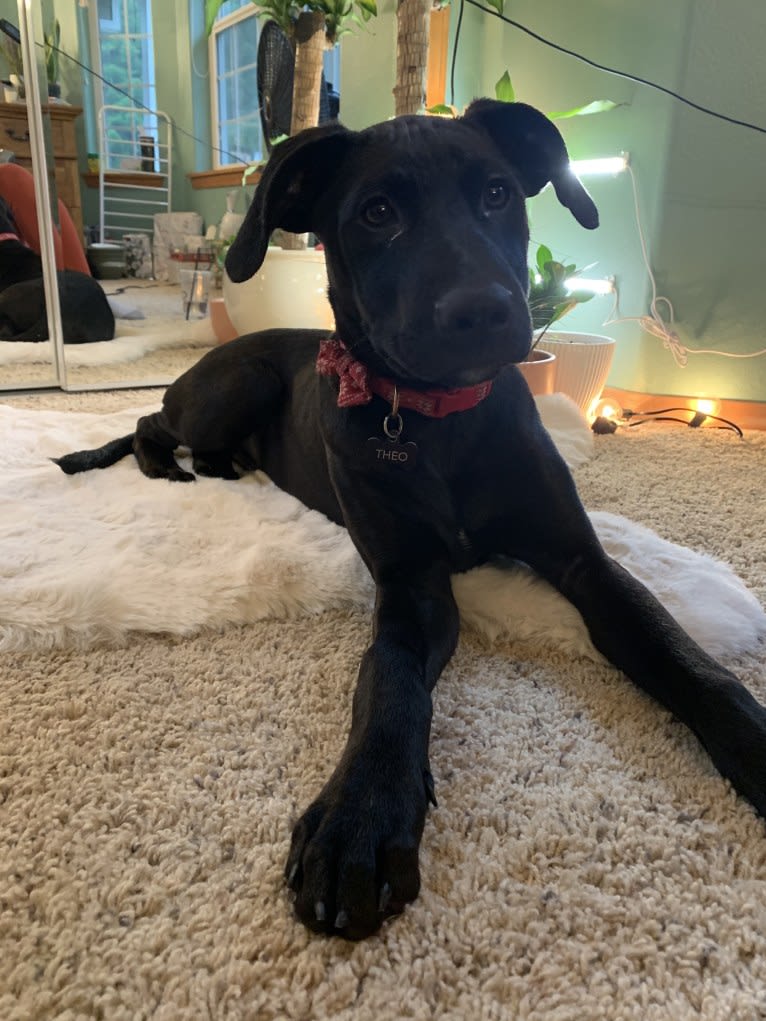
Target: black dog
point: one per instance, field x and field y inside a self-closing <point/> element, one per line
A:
<point x="420" y="435"/>
<point x="86" y="315"/>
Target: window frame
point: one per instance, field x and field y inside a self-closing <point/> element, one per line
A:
<point x="113" y="21"/>
<point x="248" y="10"/>
<point x="148" y="88"/>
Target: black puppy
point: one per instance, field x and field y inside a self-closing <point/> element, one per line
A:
<point x="412" y="427"/>
<point x="86" y="315"/>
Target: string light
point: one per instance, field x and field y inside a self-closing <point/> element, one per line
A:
<point x="606" y="415"/>
<point x="604" y="407"/>
<point x="707" y="405"/>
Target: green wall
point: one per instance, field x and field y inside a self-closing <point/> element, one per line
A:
<point x="701" y="183"/>
<point x="708" y="242"/>
<point x="368" y="70"/>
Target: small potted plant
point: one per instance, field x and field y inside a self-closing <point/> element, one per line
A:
<point x="52" y="42"/>
<point x="576" y="364"/>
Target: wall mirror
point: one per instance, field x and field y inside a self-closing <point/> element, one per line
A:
<point x="148" y="123"/>
<point x="25" y="190"/>
<point x="121" y="207"/>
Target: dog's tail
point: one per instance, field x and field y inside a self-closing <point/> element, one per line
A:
<point x="101" y="457"/>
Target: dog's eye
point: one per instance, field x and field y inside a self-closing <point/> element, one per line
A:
<point x="496" y="194"/>
<point x="378" y="212"/>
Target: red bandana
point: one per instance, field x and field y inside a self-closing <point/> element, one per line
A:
<point x="358" y="385"/>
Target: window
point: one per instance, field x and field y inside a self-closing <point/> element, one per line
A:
<point x="126" y="51"/>
<point x="233" y="54"/>
<point x="234" y="84"/>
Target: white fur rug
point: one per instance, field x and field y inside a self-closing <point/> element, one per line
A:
<point x="163" y="327"/>
<point x="92" y="557"/>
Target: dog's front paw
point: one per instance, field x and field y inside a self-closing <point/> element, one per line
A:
<point x="353" y="860"/>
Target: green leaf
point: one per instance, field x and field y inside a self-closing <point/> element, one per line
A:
<point x="212" y="7"/>
<point x="544" y="256"/>
<point x="443" y="109"/>
<point x="369" y="6"/>
<point x="504" y="89"/>
<point x="558" y="272"/>
<point x="253" y="168"/>
<point x="561" y="310"/>
<point x="597" y="106"/>
<point x="497" y="4"/>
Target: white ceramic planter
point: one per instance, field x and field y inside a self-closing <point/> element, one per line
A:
<point x="583" y="361"/>
<point x="289" y="290"/>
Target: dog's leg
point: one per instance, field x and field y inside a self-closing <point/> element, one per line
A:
<point x="354" y="854"/>
<point x="635" y="632"/>
<point x="214" y="464"/>
<point x="153" y="447"/>
<point x="214" y="406"/>
<point x="631" y="628"/>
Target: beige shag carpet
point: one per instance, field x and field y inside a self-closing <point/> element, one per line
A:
<point x="585" y="861"/>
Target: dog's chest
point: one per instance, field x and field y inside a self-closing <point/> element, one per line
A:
<point x="445" y="501"/>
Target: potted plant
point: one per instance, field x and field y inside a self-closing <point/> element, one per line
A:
<point x="577" y="364"/>
<point x="290" y="288"/>
<point x="52" y="42"/>
<point x="13" y="84"/>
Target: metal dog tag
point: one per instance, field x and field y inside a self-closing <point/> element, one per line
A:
<point x="392" y="452"/>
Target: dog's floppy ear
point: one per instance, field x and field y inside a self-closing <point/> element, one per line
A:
<point x="533" y="146"/>
<point x="292" y="181"/>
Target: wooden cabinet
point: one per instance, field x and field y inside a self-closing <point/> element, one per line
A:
<point x="14" y="135"/>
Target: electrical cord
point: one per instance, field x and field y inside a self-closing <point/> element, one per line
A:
<point x="655" y="324"/>
<point x="615" y="71"/>
<point x="664" y="415"/>
<point x="458" y="27"/>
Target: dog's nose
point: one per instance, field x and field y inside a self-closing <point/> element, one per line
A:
<point x="474" y="310"/>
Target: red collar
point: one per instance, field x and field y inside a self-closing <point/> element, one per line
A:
<point x="358" y="384"/>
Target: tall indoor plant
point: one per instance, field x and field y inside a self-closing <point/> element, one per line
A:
<point x="290" y="288"/>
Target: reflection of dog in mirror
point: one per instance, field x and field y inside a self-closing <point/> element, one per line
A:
<point x="86" y="315"/>
<point x="412" y="427"/>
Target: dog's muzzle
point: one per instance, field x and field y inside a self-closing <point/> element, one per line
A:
<point x="477" y="311"/>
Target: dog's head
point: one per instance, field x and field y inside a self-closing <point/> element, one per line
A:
<point x="424" y="226"/>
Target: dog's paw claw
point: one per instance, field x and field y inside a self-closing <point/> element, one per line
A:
<point x="320" y="911"/>
<point x="385" y="898"/>
<point x="430" y="789"/>
<point x="341" y="920"/>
